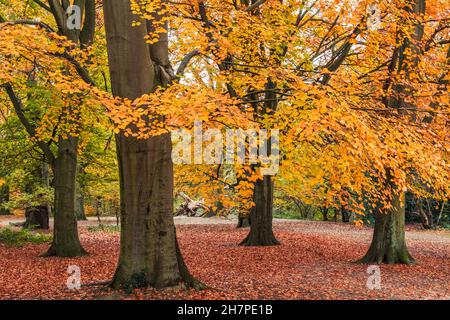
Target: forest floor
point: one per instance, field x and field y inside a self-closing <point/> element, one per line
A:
<point x="314" y="261"/>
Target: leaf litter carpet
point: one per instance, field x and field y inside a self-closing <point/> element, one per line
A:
<point x="314" y="261"/>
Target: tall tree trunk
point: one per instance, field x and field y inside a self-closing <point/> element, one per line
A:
<point x="148" y="247"/>
<point x="65" y="235"/>
<point x="261" y="233"/>
<point x="66" y="242"/>
<point x="261" y="215"/>
<point x="425" y="214"/>
<point x="36" y="217"/>
<point x="46" y="178"/>
<point x="388" y="243"/>
<point x="149" y="253"/>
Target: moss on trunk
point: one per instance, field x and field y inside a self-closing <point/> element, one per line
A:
<point x="66" y="242"/>
<point x="388" y="242"/>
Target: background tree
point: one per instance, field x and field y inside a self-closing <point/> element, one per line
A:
<point x="64" y="160"/>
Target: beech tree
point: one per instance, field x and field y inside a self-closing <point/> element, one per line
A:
<point x="64" y="164"/>
<point x="316" y="71"/>
<point x="362" y="115"/>
<point x="149" y="252"/>
<point x="388" y="243"/>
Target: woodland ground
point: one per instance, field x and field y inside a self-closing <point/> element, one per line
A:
<point x="314" y="261"/>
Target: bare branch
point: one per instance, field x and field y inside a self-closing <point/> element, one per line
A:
<point x="42" y="5"/>
<point x="255" y="5"/>
<point x="184" y="63"/>
<point x="58" y="13"/>
<point x="28" y="22"/>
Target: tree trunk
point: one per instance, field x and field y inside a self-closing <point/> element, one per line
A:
<point x="243" y="222"/>
<point x="324" y="213"/>
<point x="98" y="210"/>
<point x="261" y="214"/>
<point x="4" y="197"/>
<point x="79" y="204"/>
<point x="149" y="253"/>
<point x="79" y="208"/>
<point x="36" y="217"/>
<point x="261" y="233"/>
<point x="116" y="210"/>
<point x="45" y="171"/>
<point x="388" y="242"/>
<point x="65" y="234"/>
<point x="345" y="214"/>
<point x="425" y="214"/>
<point x="148" y="247"/>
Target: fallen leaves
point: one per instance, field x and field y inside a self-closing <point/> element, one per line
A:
<point x="314" y="261"/>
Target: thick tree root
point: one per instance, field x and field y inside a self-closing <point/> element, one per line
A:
<point x="52" y="252"/>
<point x="388" y="241"/>
<point x="251" y="241"/>
<point x="402" y="257"/>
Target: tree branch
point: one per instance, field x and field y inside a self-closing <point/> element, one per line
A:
<point x="255" y="5"/>
<point x="184" y="63"/>
<point x="18" y="107"/>
<point x="81" y="71"/>
<point x="87" y="34"/>
<point x="58" y="13"/>
<point x="42" y="5"/>
<point x="28" y="22"/>
<point x="341" y="54"/>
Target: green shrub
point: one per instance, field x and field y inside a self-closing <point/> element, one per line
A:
<point x="18" y="238"/>
<point x="104" y="228"/>
<point x="287" y="215"/>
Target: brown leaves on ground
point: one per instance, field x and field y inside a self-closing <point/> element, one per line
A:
<point x="314" y="261"/>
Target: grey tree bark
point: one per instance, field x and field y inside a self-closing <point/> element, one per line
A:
<point x="66" y="242"/>
<point x="388" y="242"/>
<point x="149" y="252"/>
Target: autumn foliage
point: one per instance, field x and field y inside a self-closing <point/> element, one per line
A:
<point x="357" y="89"/>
